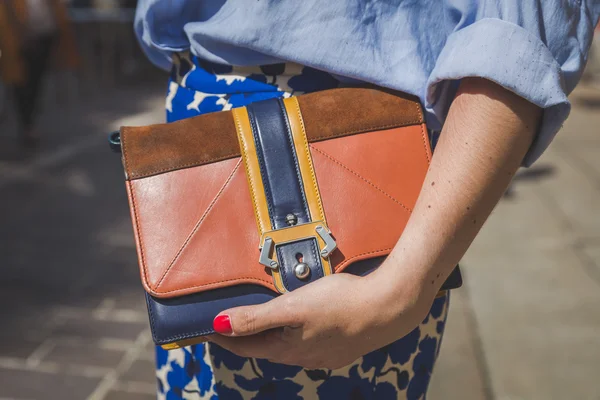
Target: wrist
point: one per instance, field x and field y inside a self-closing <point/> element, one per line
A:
<point x="405" y="276"/>
<point x="397" y="289"/>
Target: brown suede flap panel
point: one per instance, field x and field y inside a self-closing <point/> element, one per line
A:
<point x="208" y="138"/>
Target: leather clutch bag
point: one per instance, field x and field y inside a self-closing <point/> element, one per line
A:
<point x="237" y="207"/>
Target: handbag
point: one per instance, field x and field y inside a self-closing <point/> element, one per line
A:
<point x="238" y="207"/>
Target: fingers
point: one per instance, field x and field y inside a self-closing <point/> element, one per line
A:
<point x="263" y="345"/>
<point x="270" y="346"/>
<point x="251" y="320"/>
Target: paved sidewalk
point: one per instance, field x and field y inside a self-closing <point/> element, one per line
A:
<point x="74" y="326"/>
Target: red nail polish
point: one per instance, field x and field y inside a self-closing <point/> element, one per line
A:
<point x="222" y="324"/>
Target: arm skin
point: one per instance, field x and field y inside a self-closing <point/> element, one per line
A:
<point x="337" y="319"/>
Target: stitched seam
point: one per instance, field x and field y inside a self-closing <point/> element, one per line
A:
<point x="295" y="157"/>
<point x="190" y="164"/>
<point x="374" y="128"/>
<point x="310" y="166"/>
<point x="261" y="165"/>
<point x="191" y="235"/>
<point x="364" y="179"/>
<point x="317" y="258"/>
<point x="151" y="312"/>
<point x="248" y="174"/>
<point x="204" y="161"/>
<point x="186" y="336"/>
<point x="283" y="271"/>
<point x="244" y="278"/>
<point x="139" y="236"/>
<point x="423" y="134"/>
<point x="345" y="262"/>
<point x="124" y="146"/>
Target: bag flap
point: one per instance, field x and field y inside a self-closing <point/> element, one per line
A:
<point x="190" y="202"/>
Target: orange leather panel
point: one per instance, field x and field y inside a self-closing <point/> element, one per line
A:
<point x="374" y="182"/>
<point x="166" y="214"/>
<point x="196" y="229"/>
<point x="207" y="244"/>
<point x="385" y="163"/>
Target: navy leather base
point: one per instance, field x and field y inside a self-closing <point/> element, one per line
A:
<point x="191" y="316"/>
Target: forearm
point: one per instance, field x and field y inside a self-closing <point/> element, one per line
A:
<point x="486" y="135"/>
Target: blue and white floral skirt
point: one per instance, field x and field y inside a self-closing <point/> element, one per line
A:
<point x="401" y="370"/>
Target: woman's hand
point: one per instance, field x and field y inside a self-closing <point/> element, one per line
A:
<point x="327" y="324"/>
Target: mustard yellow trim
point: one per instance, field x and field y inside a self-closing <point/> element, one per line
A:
<point x="183" y="343"/>
<point x="307" y="170"/>
<point x="293" y="233"/>
<point x="255" y="183"/>
<point x="309" y="179"/>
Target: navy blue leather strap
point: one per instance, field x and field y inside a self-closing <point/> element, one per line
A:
<point x="284" y="190"/>
<point x="289" y="255"/>
<point x="278" y="163"/>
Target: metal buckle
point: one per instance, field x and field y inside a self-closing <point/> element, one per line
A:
<point x="271" y="239"/>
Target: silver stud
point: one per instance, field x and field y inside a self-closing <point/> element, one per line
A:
<point x="291" y="219"/>
<point x="301" y="270"/>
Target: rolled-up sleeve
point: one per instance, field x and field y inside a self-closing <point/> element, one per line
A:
<point x="539" y="58"/>
<point x="160" y="27"/>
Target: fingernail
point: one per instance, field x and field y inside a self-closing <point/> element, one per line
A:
<point x="222" y="324"/>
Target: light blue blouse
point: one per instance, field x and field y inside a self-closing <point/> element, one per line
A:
<point x="537" y="49"/>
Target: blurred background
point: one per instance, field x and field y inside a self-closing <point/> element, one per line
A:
<point x="73" y="323"/>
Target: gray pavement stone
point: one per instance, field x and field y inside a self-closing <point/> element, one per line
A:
<point x="33" y="385"/>
<point x="591" y="253"/>
<point x="92" y="329"/>
<point x="587" y="161"/>
<point x="573" y="195"/>
<point x="65" y="354"/>
<point x="140" y="371"/>
<point x="16" y="346"/>
<point x="150" y="348"/>
<point x="121" y="395"/>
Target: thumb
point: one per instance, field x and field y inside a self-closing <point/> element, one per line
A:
<point x="250" y="320"/>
